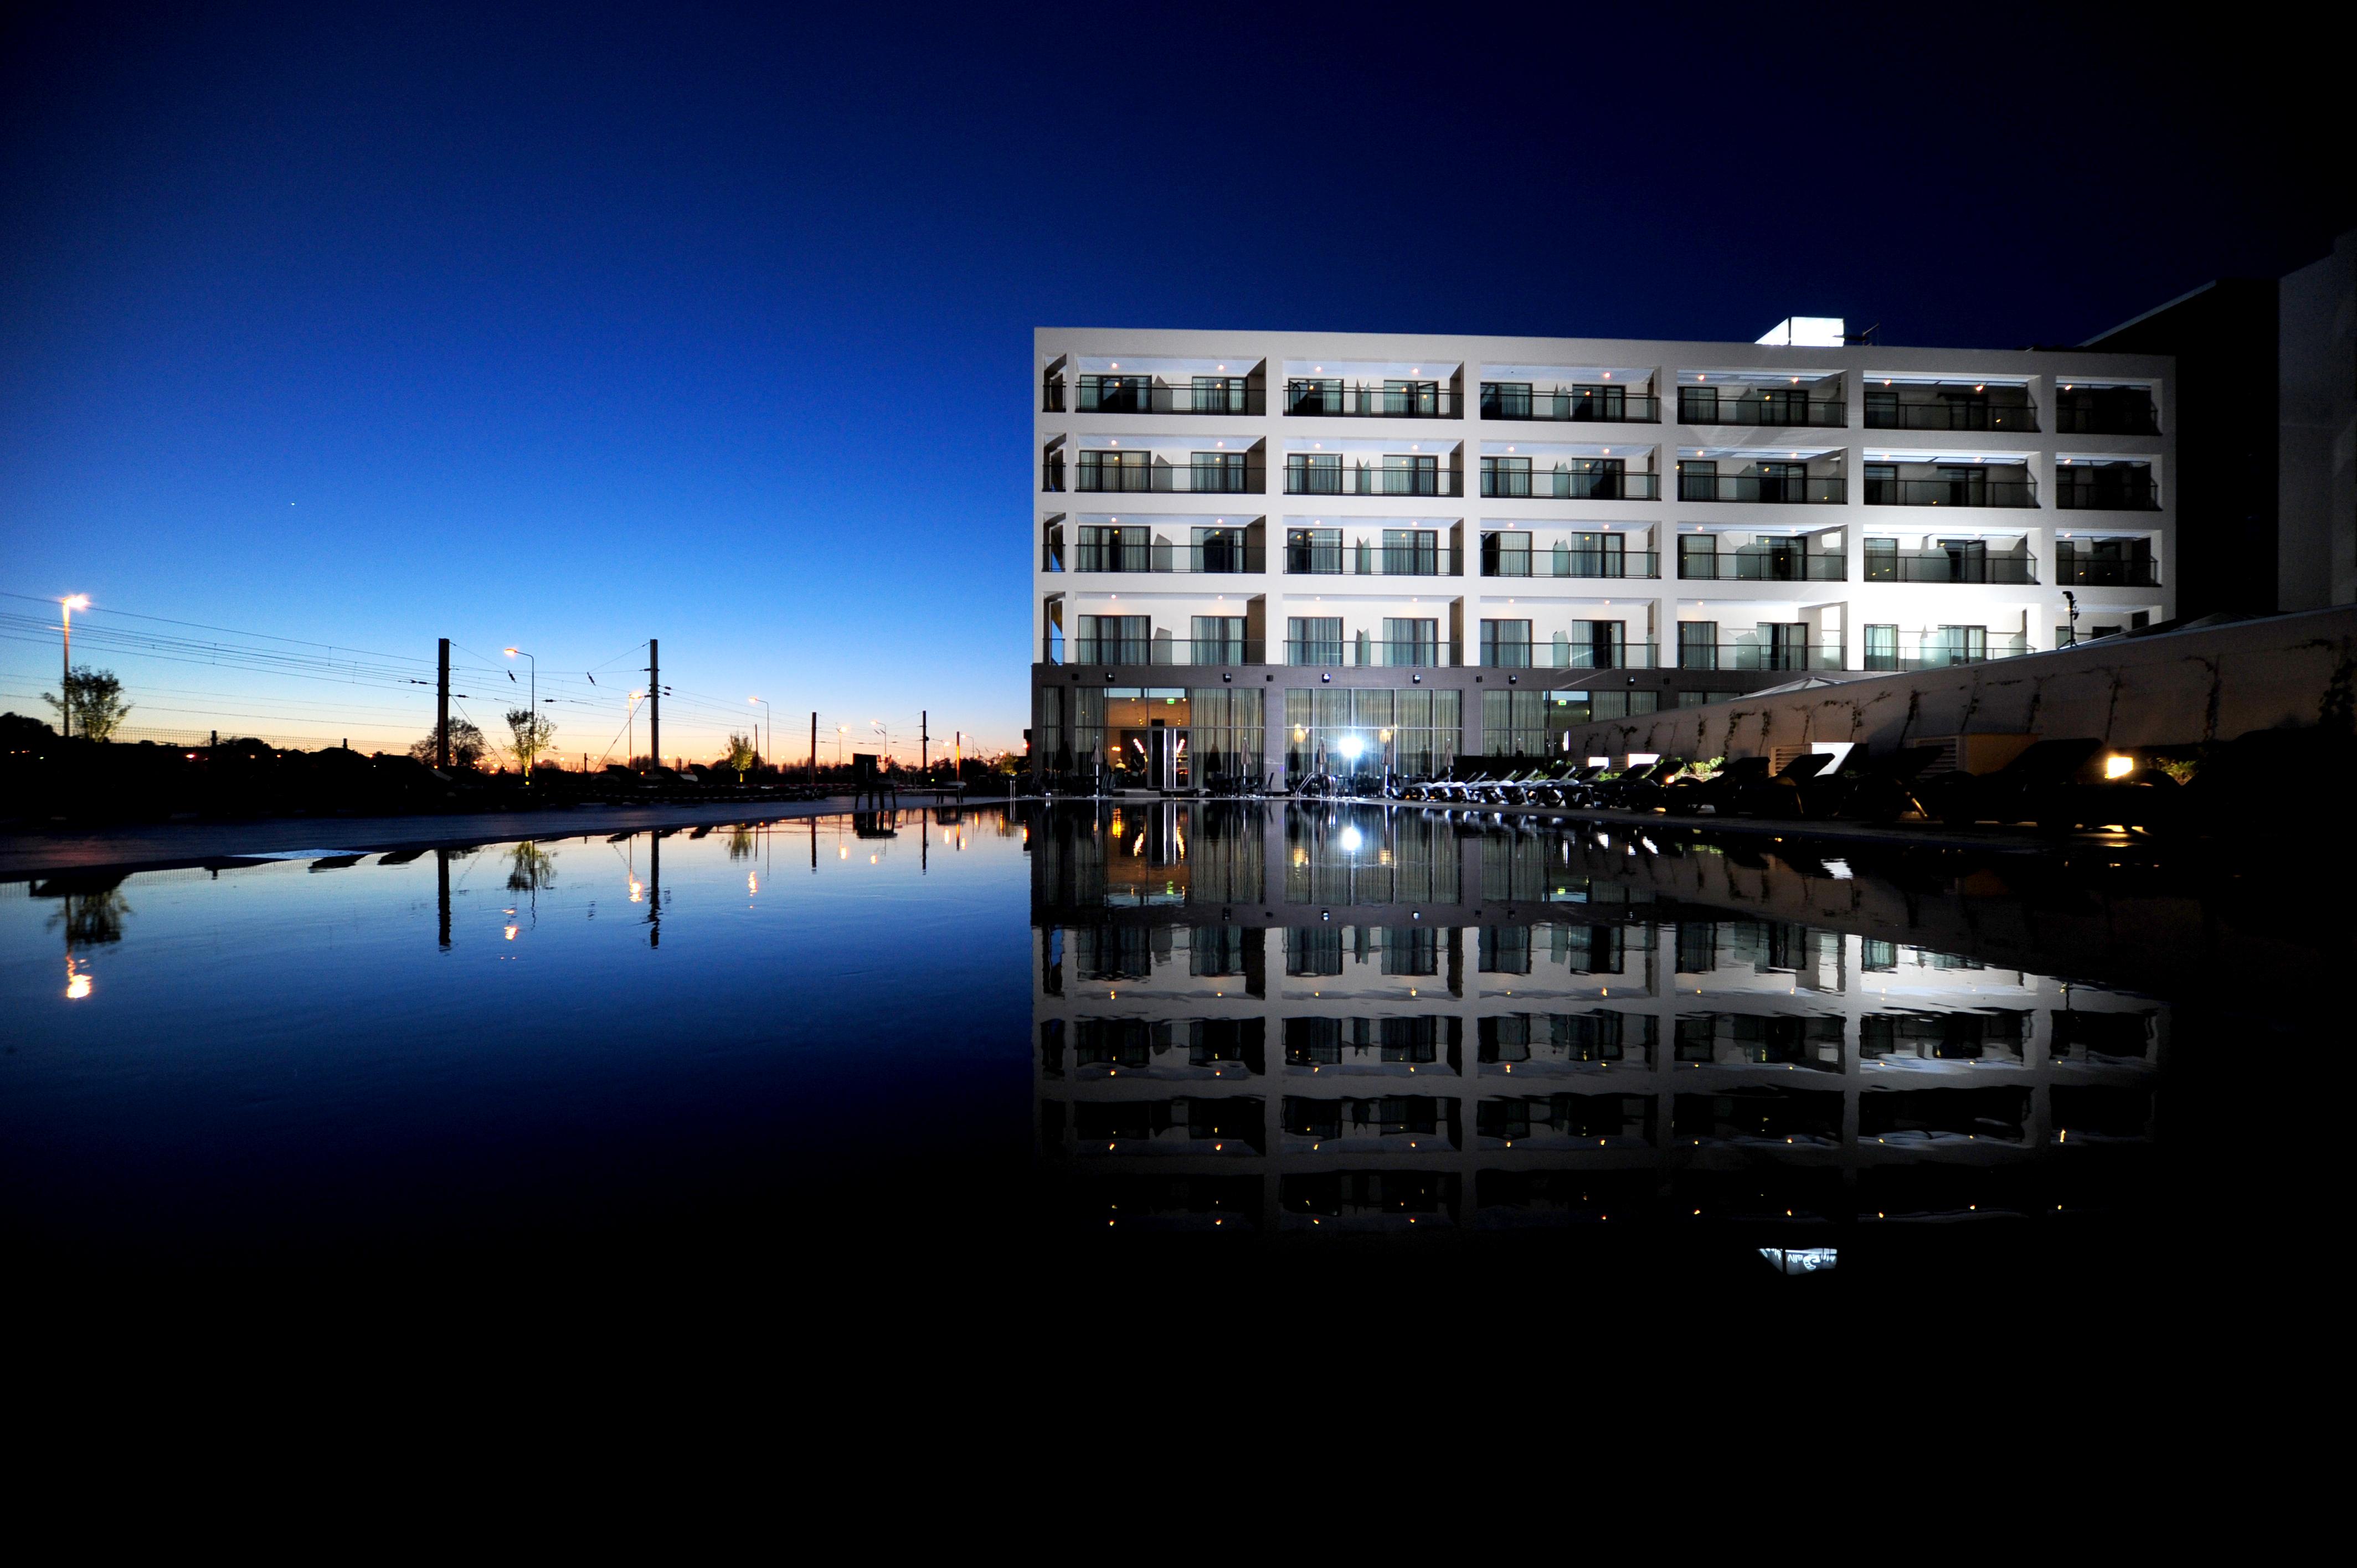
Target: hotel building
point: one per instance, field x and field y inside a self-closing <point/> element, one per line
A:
<point x="1274" y="553"/>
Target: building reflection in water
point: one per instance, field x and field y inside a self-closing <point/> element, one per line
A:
<point x="1366" y="1018"/>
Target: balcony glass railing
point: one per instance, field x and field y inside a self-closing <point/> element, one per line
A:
<point x="1961" y="415"/>
<point x="1937" y="650"/>
<point x="1177" y="558"/>
<point x="1155" y="650"/>
<point x="1952" y="492"/>
<point x="1764" y="566"/>
<point x="1571" y="562"/>
<point x="1949" y="567"/>
<point x="1303" y="480"/>
<point x="2126" y="418"/>
<point x="1363" y="651"/>
<point x="1368" y="561"/>
<point x="2072" y="571"/>
<point x="2074" y="494"/>
<point x="1408" y="400"/>
<point x="1112" y="396"/>
<point x="1773" y="490"/>
<point x="1599" y="405"/>
<point x="1182" y="479"/>
<point x="1569" y="653"/>
<point x="1758" y="656"/>
<point x="1703" y="405"/>
<point x="1564" y="484"/>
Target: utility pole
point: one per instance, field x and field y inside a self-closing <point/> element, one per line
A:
<point x="924" y="740"/>
<point x="654" y="703"/>
<point x="441" y="722"/>
<point x="814" y="771"/>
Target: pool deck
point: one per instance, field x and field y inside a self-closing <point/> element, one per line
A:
<point x="157" y="846"/>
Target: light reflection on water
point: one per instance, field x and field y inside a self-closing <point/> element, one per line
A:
<point x="1191" y="1017"/>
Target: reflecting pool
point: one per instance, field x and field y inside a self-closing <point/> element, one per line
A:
<point x="1169" y="1032"/>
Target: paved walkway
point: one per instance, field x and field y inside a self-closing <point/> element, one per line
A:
<point x="157" y="845"/>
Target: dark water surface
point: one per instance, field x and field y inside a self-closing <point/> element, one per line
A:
<point x="1178" y="1038"/>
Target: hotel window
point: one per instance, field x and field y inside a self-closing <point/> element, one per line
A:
<point x="1506" y="644"/>
<point x="1505" y="555"/>
<point x="1697" y="645"/>
<point x="1313" y="639"/>
<point x="1505" y="476"/>
<point x="1316" y="551"/>
<point x="1313" y="473"/>
<point x="1882" y="647"/>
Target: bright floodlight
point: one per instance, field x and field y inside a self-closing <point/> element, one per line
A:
<point x="2118" y="766"/>
<point x="1350" y="840"/>
<point x="79" y="602"/>
<point x="1351" y="747"/>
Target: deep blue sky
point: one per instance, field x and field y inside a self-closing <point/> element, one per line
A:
<point x="569" y="326"/>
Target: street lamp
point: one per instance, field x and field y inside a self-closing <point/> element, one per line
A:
<point x="770" y="719"/>
<point x="65" y="679"/>
<point x="535" y="731"/>
<point x="841" y="732"/>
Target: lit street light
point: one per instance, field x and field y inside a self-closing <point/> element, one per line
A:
<point x="65" y="689"/>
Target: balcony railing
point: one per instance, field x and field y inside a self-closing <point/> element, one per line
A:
<point x="1599" y="405"/>
<point x="1563" y="484"/>
<point x="2021" y="416"/>
<point x="1773" y="490"/>
<point x="1949" y="567"/>
<point x="1764" y="566"/>
<point x="1570" y="563"/>
<point x="1156" y="649"/>
<point x="1139" y="397"/>
<point x="1185" y="478"/>
<point x="1368" y="561"/>
<point x="1567" y="655"/>
<point x="2110" y="495"/>
<point x="2118" y="420"/>
<point x="1370" y="653"/>
<point x="1368" y="481"/>
<point x="1420" y="400"/>
<point x="1758" y="656"/>
<point x="1698" y="405"/>
<point x="2072" y="572"/>
<point x="1952" y="492"/>
<point x="1218" y="558"/>
<point x="1928" y="651"/>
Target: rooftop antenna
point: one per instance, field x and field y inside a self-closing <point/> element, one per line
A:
<point x="1865" y="335"/>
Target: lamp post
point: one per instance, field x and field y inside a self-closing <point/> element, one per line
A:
<point x="65" y="679"/>
<point x="768" y="720"/>
<point x="841" y="732"/>
<point x="535" y="731"/>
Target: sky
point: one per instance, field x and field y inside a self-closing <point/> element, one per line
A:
<point x="568" y="328"/>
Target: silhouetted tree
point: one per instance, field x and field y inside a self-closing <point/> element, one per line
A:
<point x="92" y="706"/>
<point x="740" y="755"/>
<point x="529" y="734"/>
<point x="466" y="745"/>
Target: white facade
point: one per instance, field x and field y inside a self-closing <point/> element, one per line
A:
<point x="1623" y="525"/>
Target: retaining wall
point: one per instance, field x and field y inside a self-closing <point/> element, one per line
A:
<point x="2169" y="689"/>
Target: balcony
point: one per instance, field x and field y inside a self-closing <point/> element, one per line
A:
<point x="1957" y="564"/>
<point x="1156" y="648"/>
<point x="2106" y="410"/>
<point x="1766" y="406"/>
<point x="1320" y="555"/>
<point x="1136" y="473"/>
<point x="1769" y="655"/>
<point x="1184" y="559"/>
<point x="1326" y="398"/>
<point x="1598" y="405"/>
<point x="1144" y="394"/>
<point x="1567" y="561"/>
<point x="2004" y="409"/>
<point x="1363" y="652"/>
<point x="1889" y="650"/>
<point x="1955" y="487"/>
<point x="1309" y="476"/>
<point x="1565" y="652"/>
<point x="2082" y="566"/>
<point x="1773" y="564"/>
<point x="1511" y="479"/>
<point x="2106" y="487"/>
<point x="1767" y="489"/>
